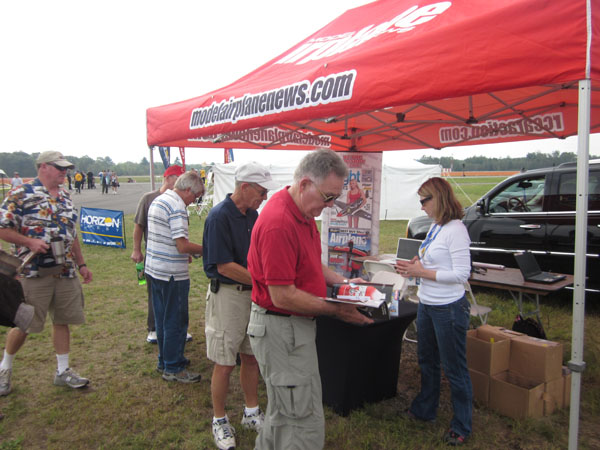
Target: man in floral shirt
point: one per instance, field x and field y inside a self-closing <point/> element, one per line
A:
<point x="31" y="217"/>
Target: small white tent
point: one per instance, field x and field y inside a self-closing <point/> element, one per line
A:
<point x="399" y="199"/>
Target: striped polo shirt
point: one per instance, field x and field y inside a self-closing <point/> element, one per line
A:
<point x="167" y="221"/>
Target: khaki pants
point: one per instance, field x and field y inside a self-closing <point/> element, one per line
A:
<point x="286" y="352"/>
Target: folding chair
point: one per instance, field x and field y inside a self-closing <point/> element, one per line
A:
<point x="480" y="311"/>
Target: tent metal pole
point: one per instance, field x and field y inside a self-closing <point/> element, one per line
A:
<point x="152" y="187"/>
<point x="576" y="364"/>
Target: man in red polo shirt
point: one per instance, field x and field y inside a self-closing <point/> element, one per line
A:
<point x="289" y="282"/>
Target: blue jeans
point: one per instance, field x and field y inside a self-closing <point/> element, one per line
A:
<point x="170" y="301"/>
<point x="442" y="336"/>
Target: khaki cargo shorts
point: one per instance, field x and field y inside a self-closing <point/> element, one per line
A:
<point x="227" y="316"/>
<point x="62" y="298"/>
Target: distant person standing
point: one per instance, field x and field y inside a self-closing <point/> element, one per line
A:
<point x="16" y="180"/>
<point x="140" y="229"/>
<point x="90" y="179"/>
<point x="114" y="182"/>
<point x="107" y="179"/>
<point x="69" y="179"/>
<point x="78" y="181"/>
<point x="167" y="258"/>
<point x="102" y="176"/>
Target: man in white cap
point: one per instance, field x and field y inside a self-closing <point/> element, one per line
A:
<point x="140" y="229"/>
<point x="226" y="240"/>
<point x="50" y="280"/>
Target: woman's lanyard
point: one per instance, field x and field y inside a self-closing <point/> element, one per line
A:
<point x="435" y="230"/>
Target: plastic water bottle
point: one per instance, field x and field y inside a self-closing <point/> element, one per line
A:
<point x="139" y="267"/>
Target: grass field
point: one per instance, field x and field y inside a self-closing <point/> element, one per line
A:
<point x="129" y="406"/>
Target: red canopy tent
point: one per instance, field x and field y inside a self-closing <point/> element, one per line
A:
<point x="395" y="75"/>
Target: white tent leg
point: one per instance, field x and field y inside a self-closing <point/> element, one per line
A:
<point x="152" y="188"/>
<point x="576" y="364"/>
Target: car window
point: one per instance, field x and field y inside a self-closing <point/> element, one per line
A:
<point x="567" y="189"/>
<point x="523" y="195"/>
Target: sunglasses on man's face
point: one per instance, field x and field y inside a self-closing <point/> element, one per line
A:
<point x="57" y="167"/>
<point x="326" y="197"/>
<point x="261" y="190"/>
<point x="425" y="200"/>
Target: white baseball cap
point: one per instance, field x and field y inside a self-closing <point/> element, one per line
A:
<point x="254" y="172"/>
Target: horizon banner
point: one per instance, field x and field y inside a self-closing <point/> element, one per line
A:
<point x="102" y="227"/>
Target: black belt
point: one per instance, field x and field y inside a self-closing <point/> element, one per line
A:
<point x="276" y="313"/>
<point x="240" y="287"/>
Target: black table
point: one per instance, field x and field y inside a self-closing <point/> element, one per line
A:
<point x="360" y="364"/>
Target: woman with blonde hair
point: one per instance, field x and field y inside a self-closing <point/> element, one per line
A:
<point x="443" y="265"/>
<point x="355" y="195"/>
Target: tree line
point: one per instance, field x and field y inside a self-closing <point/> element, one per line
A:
<point x="534" y="160"/>
<point x="24" y="163"/>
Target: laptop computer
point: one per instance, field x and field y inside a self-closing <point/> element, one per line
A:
<point x="531" y="270"/>
<point x="406" y="250"/>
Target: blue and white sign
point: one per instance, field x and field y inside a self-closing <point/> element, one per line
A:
<point x="102" y="227"/>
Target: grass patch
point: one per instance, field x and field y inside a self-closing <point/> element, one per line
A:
<point x="128" y="405"/>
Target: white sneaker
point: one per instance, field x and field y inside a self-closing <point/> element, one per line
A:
<point x="188" y="337"/>
<point x="152" y="339"/>
<point x="70" y="378"/>
<point x="224" y="434"/>
<point x="5" y="381"/>
<point x="253" y="421"/>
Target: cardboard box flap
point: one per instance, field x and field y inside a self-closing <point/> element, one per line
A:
<point x="487" y="332"/>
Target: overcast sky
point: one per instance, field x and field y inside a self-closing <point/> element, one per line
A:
<point x="78" y="76"/>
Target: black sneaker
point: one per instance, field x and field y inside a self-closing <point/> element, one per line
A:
<point x="454" y="439"/>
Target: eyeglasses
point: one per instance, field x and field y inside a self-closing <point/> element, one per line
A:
<point x="425" y="200"/>
<point x="57" y="167"/>
<point x="262" y="191"/>
<point x="326" y="197"/>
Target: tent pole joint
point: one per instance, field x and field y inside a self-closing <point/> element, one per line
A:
<point x="576" y="366"/>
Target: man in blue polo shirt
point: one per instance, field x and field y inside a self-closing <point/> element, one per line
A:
<point x="226" y="241"/>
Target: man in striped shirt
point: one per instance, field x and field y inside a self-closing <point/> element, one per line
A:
<point x="167" y="256"/>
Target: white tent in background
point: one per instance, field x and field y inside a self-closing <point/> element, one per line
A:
<point x="399" y="184"/>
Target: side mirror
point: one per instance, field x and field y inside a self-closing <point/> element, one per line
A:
<point x="480" y="207"/>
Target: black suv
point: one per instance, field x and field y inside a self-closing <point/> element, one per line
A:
<point x="533" y="210"/>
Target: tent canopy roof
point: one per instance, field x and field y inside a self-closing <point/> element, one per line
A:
<point x="395" y="75"/>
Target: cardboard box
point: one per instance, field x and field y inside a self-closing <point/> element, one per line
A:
<point x="567" y="387"/>
<point x="481" y="387"/>
<point x="553" y="395"/>
<point x="489" y="355"/>
<point x="536" y="359"/>
<point x="515" y="396"/>
<point x="498" y="333"/>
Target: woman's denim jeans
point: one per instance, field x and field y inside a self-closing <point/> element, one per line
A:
<point x="170" y="301"/>
<point x="442" y="335"/>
